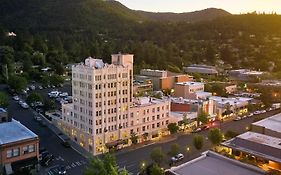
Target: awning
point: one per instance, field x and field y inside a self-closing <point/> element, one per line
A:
<point x="115" y="143"/>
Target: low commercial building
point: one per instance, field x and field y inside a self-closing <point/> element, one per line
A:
<point x="226" y="107"/>
<point x="186" y="105"/>
<point x="142" y="85"/>
<point x="211" y="163"/>
<point x="155" y="76"/>
<point x="19" y="148"/>
<point x="230" y="89"/>
<point x="186" y="121"/>
<point x="263" y="150"/>
<point x="190" y="90"/>
<point x="201" y="69"/>
<point x="170" y="81"/>
<point x="270" y="126"/>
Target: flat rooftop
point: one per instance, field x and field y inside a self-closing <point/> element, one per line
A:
<point x="257" y="144"/>
<point x="190" y="83"/>
<point x="14" y="132"/>
<point x="147" y="101"/>
<point x="211" y="163"/>
<point x="231" y="101"/>
<point x="272" y="123"/>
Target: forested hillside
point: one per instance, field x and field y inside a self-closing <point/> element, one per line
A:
<point x="56" y="32"/>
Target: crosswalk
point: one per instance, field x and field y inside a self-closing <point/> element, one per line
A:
<point x="54" y="170"/>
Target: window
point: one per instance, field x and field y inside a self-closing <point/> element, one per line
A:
<point x="31" y="148"/>
<point x="25" y="150"/>
<point x="16" y="152"/>
<point x="9" y="153"/>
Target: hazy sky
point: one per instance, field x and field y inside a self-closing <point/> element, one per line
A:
<point x="232" y="6"/>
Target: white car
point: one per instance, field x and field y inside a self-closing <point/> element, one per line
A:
<point x="257" y="112"/>
<point x="177" y="157"/>
<point x="237" y="118"/>
<point x="263" y="111"/>
<point x="16" y="98"/>
<point x="250" y="115"/>
<point x="64" y="94"/>
<point x="20" y="102"/>
<point x="32" y="87"/>
<point x="53" y="94"/>
<point x="24" y="105"/>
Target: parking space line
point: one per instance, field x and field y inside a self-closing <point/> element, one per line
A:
<point x="68" y="167"/>
<point x="78" y="163"/>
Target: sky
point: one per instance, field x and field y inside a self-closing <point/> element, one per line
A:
<point x="178" y="6"/>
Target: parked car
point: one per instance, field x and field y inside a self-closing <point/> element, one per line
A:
<point x="43" y="154"/>
<point x="205" y="127"/>
<point x="47" y="160"/>
<point x="53" y="94"/>
<point x="32" y="87"/>
<point x="263" y="111"/>
<point x="20" y="102"/>
<point x="177" y="157"/>
<point x="64" y="94"/>
<point x="40" y="87"/>
<point x="16" y="98"/>
<point x="257" y="112"/>
<point x="66" y="144"/>
<point x="250" y="115"/>
<point x="24" y="105"/>
<point x="37" y="118"/>
<point x="61" y="169"/>
<point x="237" y="119"/>
<point x="197" y="130"/>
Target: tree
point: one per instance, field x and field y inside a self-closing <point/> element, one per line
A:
<point x="157" y="155"/>
<point x="173" y="128"/>
<point x="105" y="166"/>
<point x="4" y="102"/>
<point x="198" y="141"/>
<point x="49" y="104"/>
<point x="174" y="150"/>
<point x="215" y="136"/>
<point x="202" y="117"/>
<point x="34" y="97"/>
<point x="17" y="83"/>
<point x="156" y="170"/>
<point x="59" y="69"/>
<point x="134" y="138"/>
<point x="56" y="80"/>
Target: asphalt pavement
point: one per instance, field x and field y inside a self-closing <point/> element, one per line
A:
<point x="73" y="161"/>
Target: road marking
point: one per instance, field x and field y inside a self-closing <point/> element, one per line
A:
<point x="131" y="165"/>
<point x="50" y="173"/>
<point x="73" y="165"/>
<point x="67" y="167"/>
<point x="78" y="163"/>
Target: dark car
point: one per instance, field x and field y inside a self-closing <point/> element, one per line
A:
<point x="43" y="154"/>
<point x="42" y="149"/>
<point x="66" y="144"/>
<point x="47" y="160"/>
<point x="61" y="169"/>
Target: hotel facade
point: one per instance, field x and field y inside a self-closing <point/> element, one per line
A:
<point x="104" y="113"/>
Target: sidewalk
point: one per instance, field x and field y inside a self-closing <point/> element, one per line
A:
<point x="61" y="135"/>
<point x="164" y="139"/>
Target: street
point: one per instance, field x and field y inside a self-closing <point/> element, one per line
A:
<point x="73" y="161"/>
<point x="132" y="160"/>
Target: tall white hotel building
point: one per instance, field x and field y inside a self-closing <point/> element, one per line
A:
<point x="104" y="112"/>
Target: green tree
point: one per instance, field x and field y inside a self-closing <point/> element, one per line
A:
<point x="56" y="80"/>
<point x="49" y="104"/>
<point x="215" y="136"/>
<point x="34" y="97"/>
<point x="105" y="166"/>
<point x="59" y="69"/>
<point x="198" y="141"/>
<point x="174" y="150"/>
<point x="156" y="170"/>
<point x="17" y="83"/>
<point x="173" y="128"/>
<point x="157" y="155"/>
<point x="134" y="138"/>
<point x="202" y="117"/>
<point x="4" y="102"/>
